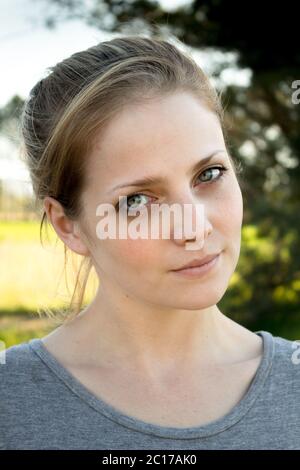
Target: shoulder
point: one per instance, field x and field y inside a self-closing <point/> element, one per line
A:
<point x="24" y="389"/>
<point x="287" y="350"/>
<point x="26" y="384"/>
<point x="16" y="354"/>
<point x="286" y="361"/>
<point x="18" y="365"/>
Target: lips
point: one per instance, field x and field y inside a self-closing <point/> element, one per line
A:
<point x="198" y="262"/>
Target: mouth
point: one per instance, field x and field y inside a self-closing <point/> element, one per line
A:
<point x="199" y="270"/>
<point x="198" y="262"/>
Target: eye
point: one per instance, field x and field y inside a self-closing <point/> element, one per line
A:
<point x="219" y="171"/>
<point x="138" y="197"/>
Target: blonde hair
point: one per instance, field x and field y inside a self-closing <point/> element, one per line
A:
<point x="80" y="95"/>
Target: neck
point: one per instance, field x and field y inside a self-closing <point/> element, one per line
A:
<point x="152" y="339"/>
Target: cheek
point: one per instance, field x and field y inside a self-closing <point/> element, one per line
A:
<point x="134" y="254"/>
<point x="230" y="216"/>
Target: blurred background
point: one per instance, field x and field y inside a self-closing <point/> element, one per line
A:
<point x="255" y="65"/>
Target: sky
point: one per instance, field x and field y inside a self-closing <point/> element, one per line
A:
<point x="27" y="48"/>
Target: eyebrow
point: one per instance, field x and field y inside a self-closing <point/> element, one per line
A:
<point x="151" y="180"/>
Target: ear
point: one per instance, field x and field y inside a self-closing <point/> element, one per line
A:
<point x="66" y="229"/>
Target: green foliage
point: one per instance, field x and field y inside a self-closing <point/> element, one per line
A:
<point x="265" y="288"/>
<point x="16" y="329"/>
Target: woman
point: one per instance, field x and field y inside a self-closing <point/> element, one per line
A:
<point x="151" y="362"/>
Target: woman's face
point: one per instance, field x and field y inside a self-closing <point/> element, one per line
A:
<point x="164" y="138"/>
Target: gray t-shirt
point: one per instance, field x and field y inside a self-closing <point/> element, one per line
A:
<point x="43" y="406"/>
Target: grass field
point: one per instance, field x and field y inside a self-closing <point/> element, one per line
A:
<point x="32" y="277"/>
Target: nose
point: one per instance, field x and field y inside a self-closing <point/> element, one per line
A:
<point x="193" y="227"/>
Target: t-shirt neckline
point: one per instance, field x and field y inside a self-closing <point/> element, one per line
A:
<point x="206" y="430"/>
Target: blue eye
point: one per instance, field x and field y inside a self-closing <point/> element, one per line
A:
<point x="220" y="173"/>
<point x="221" y="170"/>
<point x="129" y="198"/>
<point x="137" y="196"/>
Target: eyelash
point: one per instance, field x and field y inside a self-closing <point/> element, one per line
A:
<point x="222" y="169"/>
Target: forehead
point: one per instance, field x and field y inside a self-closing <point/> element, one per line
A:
<point x="164" y="134"/>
